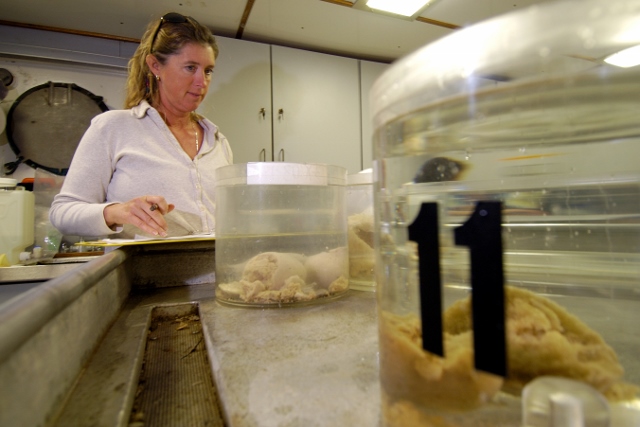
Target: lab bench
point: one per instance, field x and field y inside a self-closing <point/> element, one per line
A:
<point x="87" y="346"/>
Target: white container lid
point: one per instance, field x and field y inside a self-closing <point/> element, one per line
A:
<point x="280" y="173"/>
<point x="361" y="178"/>
<point x="8" y="182"/>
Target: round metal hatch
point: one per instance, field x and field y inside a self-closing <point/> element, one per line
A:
<point x="45" y="125"/>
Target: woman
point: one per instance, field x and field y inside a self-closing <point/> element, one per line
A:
<point x="149" y="169"/>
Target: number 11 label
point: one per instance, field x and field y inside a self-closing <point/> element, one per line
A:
<point x="482" y="234"/>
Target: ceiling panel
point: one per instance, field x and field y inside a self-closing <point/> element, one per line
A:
<point x="465" y="12"/>
<point x="311" y="24"/>
<point x="337" y="29"/>
<point x="125" y="18"/>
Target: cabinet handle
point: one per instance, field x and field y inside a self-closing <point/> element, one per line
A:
<point x="281" y="114"/>
<point x="263" y="112"/>
<point x="262" y="157"/>
<point x="281" y="155"/>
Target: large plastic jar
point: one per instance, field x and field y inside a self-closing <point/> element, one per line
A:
<point x="16" y="219"/>
<point x="281" y="234"/>
<point x="507" y="197"/>
<point x="362" y="256"/>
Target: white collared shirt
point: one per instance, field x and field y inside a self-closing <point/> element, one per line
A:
<point x="126" y="154"/>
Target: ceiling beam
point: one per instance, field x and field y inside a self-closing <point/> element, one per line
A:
<point x="437" y="23"/>
<point x="68" y="31"/>
<point x="245" y="18"/>
<point x="340" y="2"/>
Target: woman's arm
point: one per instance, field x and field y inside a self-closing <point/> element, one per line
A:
<point x="78" y="208"/>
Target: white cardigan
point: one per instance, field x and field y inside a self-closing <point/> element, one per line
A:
<point x="130" y="153"/>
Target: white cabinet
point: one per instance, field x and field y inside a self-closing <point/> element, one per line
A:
<point x="316" y="108"/>
<point x="239" y="98"/>
<point x="281" y="104"/>
<point x="369" y="72"/>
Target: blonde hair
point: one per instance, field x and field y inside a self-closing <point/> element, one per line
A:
<point x="170" y="38"/>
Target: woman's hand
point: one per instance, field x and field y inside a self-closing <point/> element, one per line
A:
<point x="146" y="213"/>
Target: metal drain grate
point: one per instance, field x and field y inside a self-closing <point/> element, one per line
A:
<point x="176" y="387"/>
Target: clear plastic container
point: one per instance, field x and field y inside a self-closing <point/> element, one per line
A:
<point x="508" y="210"/>
<point x="281" y="234"/>
<point x="16" y="219"/>
<point x="362" y="256"/>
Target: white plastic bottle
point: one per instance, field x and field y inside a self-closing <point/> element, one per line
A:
<point x="16" y="219"/>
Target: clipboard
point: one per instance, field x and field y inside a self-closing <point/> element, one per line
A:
<point x="141" y="240"/>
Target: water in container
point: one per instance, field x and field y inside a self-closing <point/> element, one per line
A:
<point x="281" y="234"/>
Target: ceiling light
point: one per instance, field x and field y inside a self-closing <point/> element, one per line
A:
<point x="625" y="58"/>
<point x="405" y="9"/>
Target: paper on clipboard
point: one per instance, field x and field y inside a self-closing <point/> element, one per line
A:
<point x="144" y="240"/>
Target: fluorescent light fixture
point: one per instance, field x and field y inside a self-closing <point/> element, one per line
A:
<point x="408" y="10"/>
<point x="399" y="7"/>
<point x="625" y="58"/>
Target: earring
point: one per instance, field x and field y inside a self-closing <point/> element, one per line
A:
<point x="157" y="77"/>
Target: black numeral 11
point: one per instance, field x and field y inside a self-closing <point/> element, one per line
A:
<point x="482" y="234"/>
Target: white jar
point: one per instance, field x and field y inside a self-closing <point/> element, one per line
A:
<point x="16" y="219"/>
<point x="281" y="234"/>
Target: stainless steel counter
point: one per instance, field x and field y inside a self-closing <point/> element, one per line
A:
<point x="34" y="273"/>
<point x="16" y="280"/>
<point x="72" y="349"/>
<point x="308" y="366"/>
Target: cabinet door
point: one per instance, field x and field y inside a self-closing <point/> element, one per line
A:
<point x="316" y="108"/>
<point x="239" y="98"/>
<point x="369" y="72"/>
